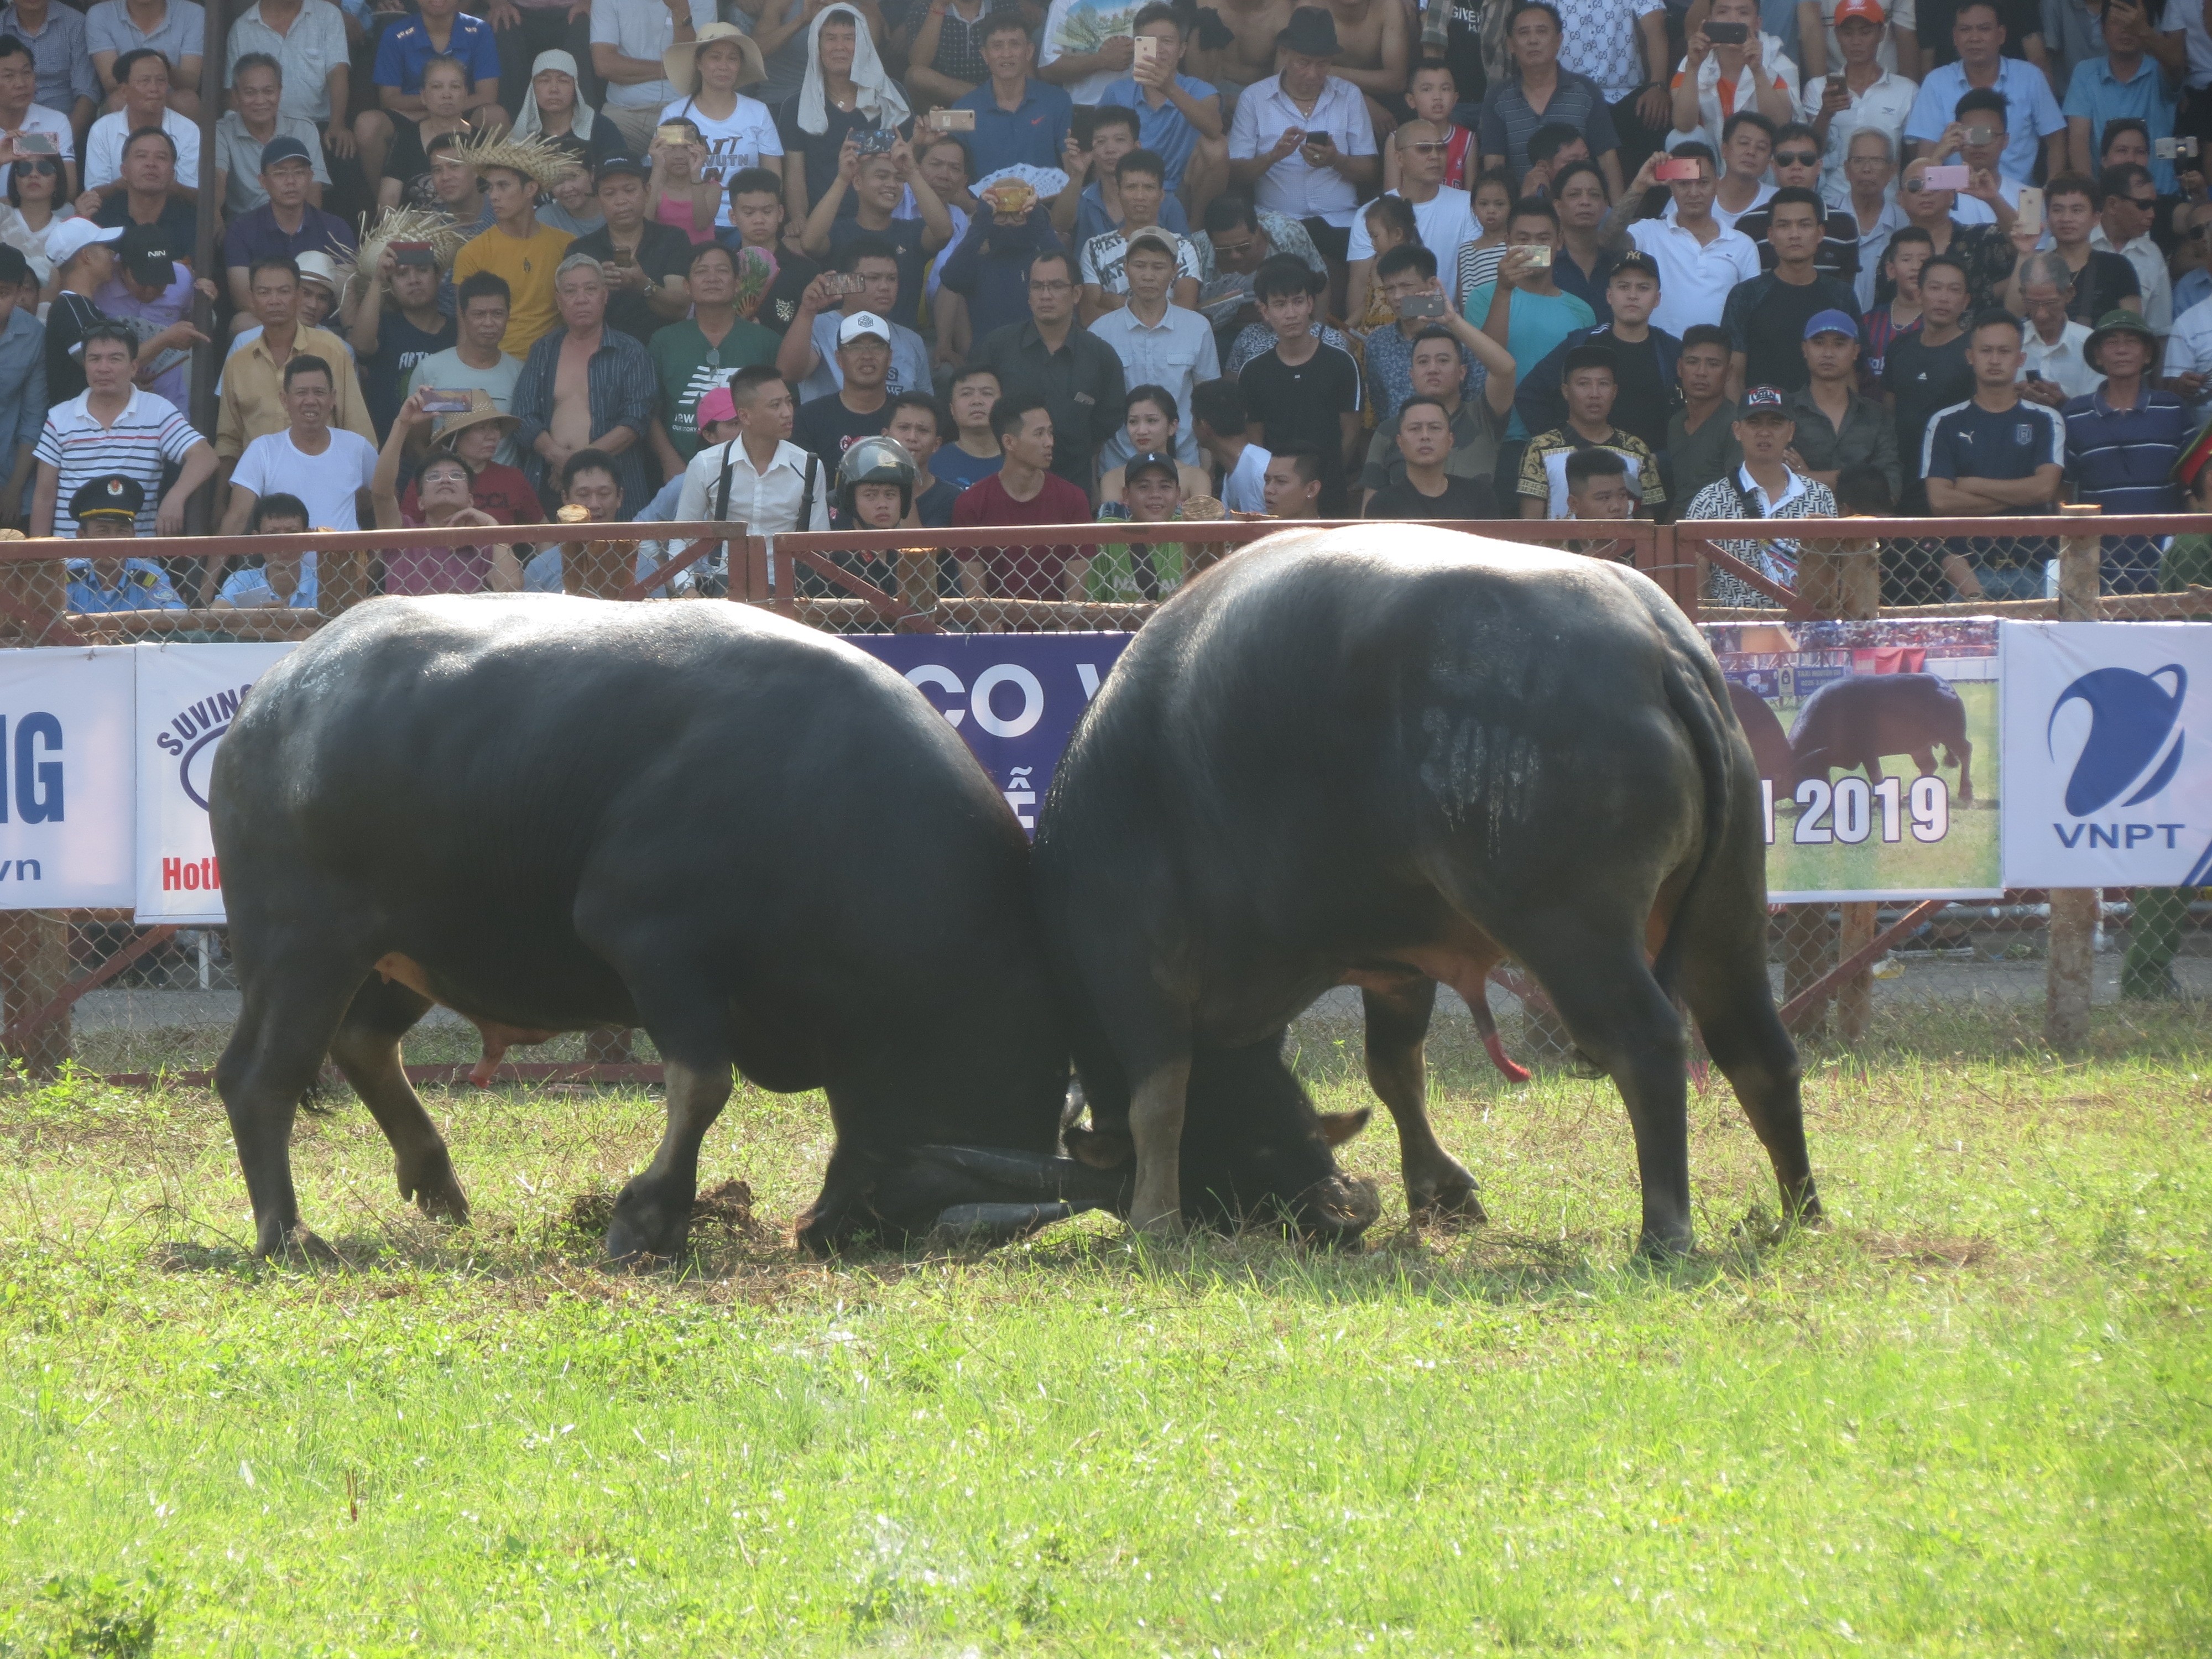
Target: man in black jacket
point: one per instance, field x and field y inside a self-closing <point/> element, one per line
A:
<point x="1644" y="359"/>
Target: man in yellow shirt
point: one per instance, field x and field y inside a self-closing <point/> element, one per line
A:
<point x="516" y="248"/>
<point x="252" y="396"/>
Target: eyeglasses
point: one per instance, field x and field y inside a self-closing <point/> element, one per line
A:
<point x="445" y="475"/>
<point x="1795" y="158"/>
<point x="1061" y="287"/>
<point x="2147" y="204"/>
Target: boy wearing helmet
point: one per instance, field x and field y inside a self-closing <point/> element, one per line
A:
<point x="875" y="491"/>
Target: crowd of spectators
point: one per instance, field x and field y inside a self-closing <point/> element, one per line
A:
<point x="797" y="264"/>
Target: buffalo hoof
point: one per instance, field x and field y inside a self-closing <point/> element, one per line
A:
<point x="1667" y="1247"/>
<point x="430" y="1182"/>
<point x="645" y="1227"/>
<point x="295" y="1246"/>
<point x="1448" y="1201"/>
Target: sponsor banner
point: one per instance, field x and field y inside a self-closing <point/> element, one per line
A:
<point x="1878" y="754"/>
<point x="1015" y="697"/>
<point x="65" y="778"/>
<point x="186" y="695"/>
<point x="2109" y="729"/>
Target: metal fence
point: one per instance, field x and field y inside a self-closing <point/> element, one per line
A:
<point x="131" y="1002"/>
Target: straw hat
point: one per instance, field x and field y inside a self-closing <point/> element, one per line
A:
<point x="480" y="410"/>
<point x="538" y="159"/>
<point x="679" y="61"/>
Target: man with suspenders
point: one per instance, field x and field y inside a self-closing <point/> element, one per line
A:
<point x="752" y="474"/>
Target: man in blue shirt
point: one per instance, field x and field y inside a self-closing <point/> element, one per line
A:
<point x="1020" y="121"/>
<point x="2122" y="442"/>
<point x="1179" y="116"/>
<point x="1993" y="455"/>
<point x="2126" y="82"/>
<point x="1979" y="36"/>
<point x="443" y="29"/>
<point x="107" y="509"/>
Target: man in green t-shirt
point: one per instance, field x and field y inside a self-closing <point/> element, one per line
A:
<point x="706" y="348"/>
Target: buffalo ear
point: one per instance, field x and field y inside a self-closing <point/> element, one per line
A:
<point x="1337" y="1128"/>
<point x="1101" y="1149"/>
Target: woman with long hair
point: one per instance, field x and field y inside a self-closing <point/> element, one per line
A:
<point x="34" y="207"/>
<point x="737" y="132"/>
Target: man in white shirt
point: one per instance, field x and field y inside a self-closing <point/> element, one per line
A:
<point x="1978" y="36"/>
<point x="145" y="79"/>
<point x="1158" y="344"/>
<point x="1218" y="417"/>
<point x="1302" y="140"/>
<point x="1445" y="217"/>
<point x="1862" y="93"/>
<point x="1700" y="259"/>
<point x="112" y="427"/>
<point x="2124" y="228"/>
<point x="328" y="469"/>
<point x="1866" y="204"/>
<point x="751" y="456"/>
<point x="2054" y="364"/>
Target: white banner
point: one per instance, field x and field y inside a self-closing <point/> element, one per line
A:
<point x="186" y="696"/>
<point x="65" y="778"/>
<point x="2108" y="762"/>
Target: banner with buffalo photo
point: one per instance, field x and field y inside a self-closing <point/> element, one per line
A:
<point x="2109" y="726"/>
<point x="186" y="696"/>
<point x="1015" y="697"/>
<point x="1878" y="754"/>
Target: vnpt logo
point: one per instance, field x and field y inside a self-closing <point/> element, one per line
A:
<point x="2129" y="754"/>
<point x="191" y="738"/>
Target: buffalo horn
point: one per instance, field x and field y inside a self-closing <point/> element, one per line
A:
<point x="986" y="1226"/>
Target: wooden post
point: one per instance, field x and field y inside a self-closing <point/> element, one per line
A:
<point x="341" y="580"/>
<point x="917" y="569"/>
<point x="2073" y="937"/>
<point x="1843" y="580"/>
<point x="34" y="966"/>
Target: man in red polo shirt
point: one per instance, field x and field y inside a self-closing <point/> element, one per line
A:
<point x="1023" y="490"/>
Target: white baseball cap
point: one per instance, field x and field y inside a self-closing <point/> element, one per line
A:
<point x="70" y="237"/>
<point x="863" y="324"/>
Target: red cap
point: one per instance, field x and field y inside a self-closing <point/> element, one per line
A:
<point x="1869" y="10"/>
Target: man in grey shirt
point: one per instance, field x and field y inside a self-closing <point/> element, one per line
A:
<point x="175" y="28"/>
<point x="477" y="362"/>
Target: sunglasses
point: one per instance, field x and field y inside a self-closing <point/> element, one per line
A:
<point x="1434" y="148"/>
<point x="46" y="165"/>
<point x="1798" y="158"/>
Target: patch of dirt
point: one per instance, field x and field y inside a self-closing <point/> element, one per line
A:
<point x="1927" y="1252"/>
<point x="722" y="1214"/>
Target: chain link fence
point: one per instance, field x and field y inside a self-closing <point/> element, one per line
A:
<point x="132" y="1001"/>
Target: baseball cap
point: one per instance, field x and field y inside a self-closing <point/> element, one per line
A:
<point x="1868" y="11"/>
<point x="1643" y="262"/>
<point x="285" y="149"/>
<point x="1166" y="241"/>
<point x="1831" y="322"/>
<point x="70" y="237"/>
<point x="1762" y="400"/>
<point x="718" y="404"/>
<point x="111" y="495"/>
<point x="143" y="252"/>
<point x="863" y="324"/>
<point x="1147" y="461"/>
<point x="615" y="166"/>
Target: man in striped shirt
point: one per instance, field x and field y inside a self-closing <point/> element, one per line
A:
<point x="113" y="429"/>
<point x="2122" y="442"/>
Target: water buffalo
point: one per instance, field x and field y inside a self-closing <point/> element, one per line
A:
<point x="1770" y="744"/>
<point x="1396" y="758"/>
<point x="1852" y="723"/>
<point x="551" y="814"/>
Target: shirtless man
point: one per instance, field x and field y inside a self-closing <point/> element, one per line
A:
<point x="1373" y="52"/>
<point x="1251" y="56"/>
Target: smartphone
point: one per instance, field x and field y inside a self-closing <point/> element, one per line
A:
<point x="38" y="144"/>
<point x="1980" y="135"/>
<point x="952" y="120"/>
<point x="1947" y="177"/>
<point x="1727" y="35"/>
<point x="2034" y="376"/>
<point x="1148" y="50"/>
<point x="1321" y="141"/>
<point x="2030" y="210"/>
<point x="875" y="141"/>
<point x="623" y="256"/>
<point x="1668" y="172"/>
<point x="848" y="282"/>
<point x="672" y="133"/>
<point x="435" y="402"/>
<point x="413" y="254"/>
<point x="2165" y="148"/>
<point x="1422" y="305"/>
<point x="1539" y="256"/>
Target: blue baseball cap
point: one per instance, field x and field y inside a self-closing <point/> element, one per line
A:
<point x="284" y="149"/>
<point x="1832" y="322"/>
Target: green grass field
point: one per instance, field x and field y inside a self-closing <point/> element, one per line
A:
<point x="1966" y="858"/>
<point x="1973" y="1417"/>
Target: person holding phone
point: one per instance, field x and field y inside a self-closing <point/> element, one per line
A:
<point x="1476" y="417"/>
<point x="1731" y="65"/>
<point x="1863" y="94"/>
<point x="1301" y="141"/>
<point x="1445" y="218"/>
<point x="1408" y="276"/>
<point x="2134" y="78"/>
<point x="1977" y="33"/>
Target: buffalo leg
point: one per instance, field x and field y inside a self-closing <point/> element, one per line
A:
<point x="366" y="1049"/>
<point x="1155" y="1111"/>
<point x="1620" y="1018"/>
<point x="289" y="1013"/>
<point x="1437" y="1183"/>
<point x="653" y="1216"/>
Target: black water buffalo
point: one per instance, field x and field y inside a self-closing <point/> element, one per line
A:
<point x="1394" y="759"/>
<point x="1852" y="723"/>
<point x="759" y="844"/>
<point x="1770" y="745"/>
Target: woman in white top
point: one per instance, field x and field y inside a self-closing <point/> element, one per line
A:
<point x="34" y="208"/>
<point x="739" y="131"/>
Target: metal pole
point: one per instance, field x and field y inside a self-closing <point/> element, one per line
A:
<point x="2074" y="910"/>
